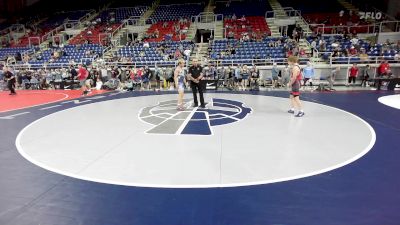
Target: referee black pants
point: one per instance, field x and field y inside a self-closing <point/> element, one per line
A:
<point x="197" y="87"/>
<point x="11" y="86"/>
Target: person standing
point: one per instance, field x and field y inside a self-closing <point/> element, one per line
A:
<point x="238" y="76"/>
<point x="365" y="77"/>
<point x="308" y="73"/>
<point x="179" y="78"/>
<point x="195" y="75"/>
<point x="245" y="77"/>
<point x="10" y="78"/>
<point x="274" y="75"/>
<point x="285" y="72"/>
<point x="353" y="73"/>
<point x="294" y="82"/>
<point x="82" y="77"/>
<point x="331" y="78"/>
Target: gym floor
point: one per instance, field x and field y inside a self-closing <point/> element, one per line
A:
<point x="131" y="158"/>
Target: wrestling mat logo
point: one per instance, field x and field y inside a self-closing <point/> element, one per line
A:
<point x="193" y="120"/>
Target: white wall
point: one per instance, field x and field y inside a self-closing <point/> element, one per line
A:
<point x="393" y="36"/>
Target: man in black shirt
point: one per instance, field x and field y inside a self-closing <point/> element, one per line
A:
<point x="195" y="75"/>
<point x="10" y="78"/>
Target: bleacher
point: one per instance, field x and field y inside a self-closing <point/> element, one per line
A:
<point x="239" y="8"/>
<point x="148" y="56"/>
<point x="77" y="53"/>
<point x="169" y="14"/>
<point x="120" y="14"/>
<point x="94" y="37"/>
<point x="5" y="52"/>
<point x="49" y="24"/>
<point x="377" y="50"/>
<point x="245" y="51"/>
<point x="176" y="12"/>
<point x="168" y="32"/>
<point x="256" y="24"/>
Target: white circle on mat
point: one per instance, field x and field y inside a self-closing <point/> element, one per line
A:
<point x="106" y="142"/>
<point x="391" y="100"/>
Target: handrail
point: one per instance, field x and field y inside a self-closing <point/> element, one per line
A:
<point x="84" y="60"/>
<point x="52" y="33"/>
<point x="322" y="27"/>
<point x="308" y="25"/>
<point x="297" y="13"/>
<point x="267" y="13"/>
<point x="209" y="17"/>
<point x="104" y="35"/>
<point x="87" y="15"/>
<point x="134" y="22"/>
<point x="383" y="23"/>
<point x="120" y="27"/>
<point x="108" y="48"/>
<point x="259" y="62"/>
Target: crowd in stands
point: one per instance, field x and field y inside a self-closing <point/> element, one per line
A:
<point x="168" y="31"/>
<point x="351" y="46"/>
<point x="232" y="77"/>
<point x="246" y="28"/>
<point x="165" y="51"/>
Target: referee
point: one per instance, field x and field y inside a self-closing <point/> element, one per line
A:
<point x="195" y="75"/>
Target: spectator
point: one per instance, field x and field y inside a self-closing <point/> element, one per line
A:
<point x="234" y="17"/>
<point x="308" y="73"/>
<point x="302" y="53"/>
<point x="384" y="69"/>
<point x="353" y="51"/>
<point x="274" y="75"/>
<point x="366" y="75"/>
<point x="353" y="73"/>
<point x="332" y="77"/>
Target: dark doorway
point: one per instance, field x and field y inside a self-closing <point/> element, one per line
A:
<point x="205" y="33"/>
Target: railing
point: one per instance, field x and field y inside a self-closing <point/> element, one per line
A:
<point x="28" y="52"/>
<point x="323" y="29"/>
<point x="270" y="14"/>
<point x="31" y="41"/>
<point x="393" y="25"/>
<point x="358" y="60"/>
<point x="85" y="60"/>
<point x="60" y="38"/>
<point x="292" y="12"/>
<point x="119" y="28"/>
<point x="134" y="21"/>
<point x="71" y="24"/>
<point x="103" y="36"/>
<point x="52" y="33"/>
<point x="207" y="17"/>
<point x="105" y="50"/>
<point x="308" y="25"/>
<point x="86" y="16"/>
